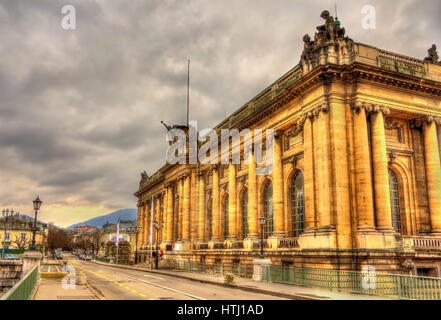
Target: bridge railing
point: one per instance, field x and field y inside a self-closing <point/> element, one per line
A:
<point x="23" y="289"/>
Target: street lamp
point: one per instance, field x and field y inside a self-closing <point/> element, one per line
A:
<point x="136" y="229"/>
<point x="157" y="225"/>
<point x="6" y="213"/>
<point x="37" y="204"/>
<point x="262" y="224"/>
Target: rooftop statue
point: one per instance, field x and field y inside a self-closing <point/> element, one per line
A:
<point x="144" y="177"/>
<point x="329" y="46"/>
<point x="433" y="55"/>
<point x="330" y="31"/>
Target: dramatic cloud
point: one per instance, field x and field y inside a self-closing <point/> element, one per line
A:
<point x="80" y="110"/>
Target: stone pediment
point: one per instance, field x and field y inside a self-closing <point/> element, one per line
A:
<point x="329" y="45"/>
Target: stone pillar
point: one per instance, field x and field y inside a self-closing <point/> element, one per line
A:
<point x="30" y="260"/>
<point x="169" y="227"/>
<point x="232" y="202"/>
<point x="433" y="173"/>
<point x="322" y="166"/>
<point x="146" y="231"/>
<point x="193" y="207"/>
<point x="140" y="222"/>
<point x="308" y="150"/>
<point x="181" y="207"/>
<point x="186" y="213"/>
<point x="215" y="205"/>
<point x="340" y="208"/>
<point x="253" y="219"/>
<point x="381" y="174"/>
<point x="201" y="208"/>
<point x="278" y="185"/>
<point x="158" y="218"/>
<point x="363" y="174"/>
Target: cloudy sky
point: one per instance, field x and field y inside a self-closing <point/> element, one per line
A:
<point x="80" y="110"/>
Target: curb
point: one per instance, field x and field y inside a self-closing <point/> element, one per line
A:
<point x="232" y="286"/>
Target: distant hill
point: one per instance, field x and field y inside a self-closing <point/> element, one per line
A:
<point x="124" y="214"/>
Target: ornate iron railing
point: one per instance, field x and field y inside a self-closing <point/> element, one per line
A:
<point x="390" y="285"/>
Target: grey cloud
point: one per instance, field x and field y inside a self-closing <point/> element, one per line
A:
<point x="80" y="110"/>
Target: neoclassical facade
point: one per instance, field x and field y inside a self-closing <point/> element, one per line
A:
<point x="356" y="176"/>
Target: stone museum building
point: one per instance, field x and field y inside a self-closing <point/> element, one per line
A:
<point x="356" y="176"/>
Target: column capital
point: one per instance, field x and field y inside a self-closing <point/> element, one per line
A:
<point x="278" y="134"/>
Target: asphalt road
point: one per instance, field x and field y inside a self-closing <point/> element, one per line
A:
<point x="122" y="284"/>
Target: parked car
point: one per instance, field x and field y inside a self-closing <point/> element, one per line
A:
<point x="11" y="257"/>
<point x="81" y="256"/>
<point x="59" y="256"/>
<point x="88" y="258"/>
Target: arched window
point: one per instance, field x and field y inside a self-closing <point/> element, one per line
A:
<point x="209" y="219"/>
<point x="244" y="210"/>
<point x="395" y="201"/>
<point x="225" y="217"/>
<point x="268" y="209"/>
<point x="297" y="205"/>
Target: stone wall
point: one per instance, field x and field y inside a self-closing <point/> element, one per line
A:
<point x="10" y="274"/>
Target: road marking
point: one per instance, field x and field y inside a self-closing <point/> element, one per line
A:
<point x="147" y="275"/>
<point x="167" y="288"/>
<point x="58" y="270"/>
<point x="48" y="268"/>
<point x="120" y="284"/>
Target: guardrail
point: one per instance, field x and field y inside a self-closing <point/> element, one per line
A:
<point x="24" y="288"/>
<point x="390" y="285"/>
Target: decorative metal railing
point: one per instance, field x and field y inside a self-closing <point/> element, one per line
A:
<point x="240" y="270"/>
<point x="288" y="243"/>
<point x="390" y="285"/>
<point x="24" y="288"/>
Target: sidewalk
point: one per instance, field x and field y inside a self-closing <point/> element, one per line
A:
<point x="52" y="289"/>
<point x="275" y="289"/>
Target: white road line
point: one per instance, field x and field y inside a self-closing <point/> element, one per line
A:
<point x="58" y="270"/>
<point x="48" y="268"/>
<point x="166" y="288"/>
<point x="147" y="275"/>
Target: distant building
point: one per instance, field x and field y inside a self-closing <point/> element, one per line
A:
<point x="19" y="233"/>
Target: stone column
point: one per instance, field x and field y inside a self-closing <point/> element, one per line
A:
<point x="308" y="150"/>
<point x="380" y="168"/>
<point x="322" y="166"/>
<point x="201" y="208"/>
<point x="363" y="174"/>
<point x="215" y="205"/>
<point x="278" y="185"/>
<point x="340" y="208"/>
<point x="193" y="206"/>
<point x="186" y="213"/>
<point x="181" y="207"/>
<point x="169" y="227"/>
<point x="140" y="222"/>
<point x="253" y="219"/>
<point x="157" y="218"/>
<point x="147" y="204"/>
<point x="232" y="202"/>
<point x="433" y="173"/>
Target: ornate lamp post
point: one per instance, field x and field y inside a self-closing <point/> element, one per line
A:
<point x="157" y="225"/>
<point x="37" y="204"/>
<point x="136" y="229"/>
<point x="262" y="225"/>
<point x="6" y="213"/>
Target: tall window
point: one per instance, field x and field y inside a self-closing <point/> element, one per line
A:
<point x="297" y="204"/>
<point x="225" y="217"/>
<point x="244" y="210"/>
<point x="395" y="201"/>
<point x="268" y="209"/>
<point x="209" y="219"/>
